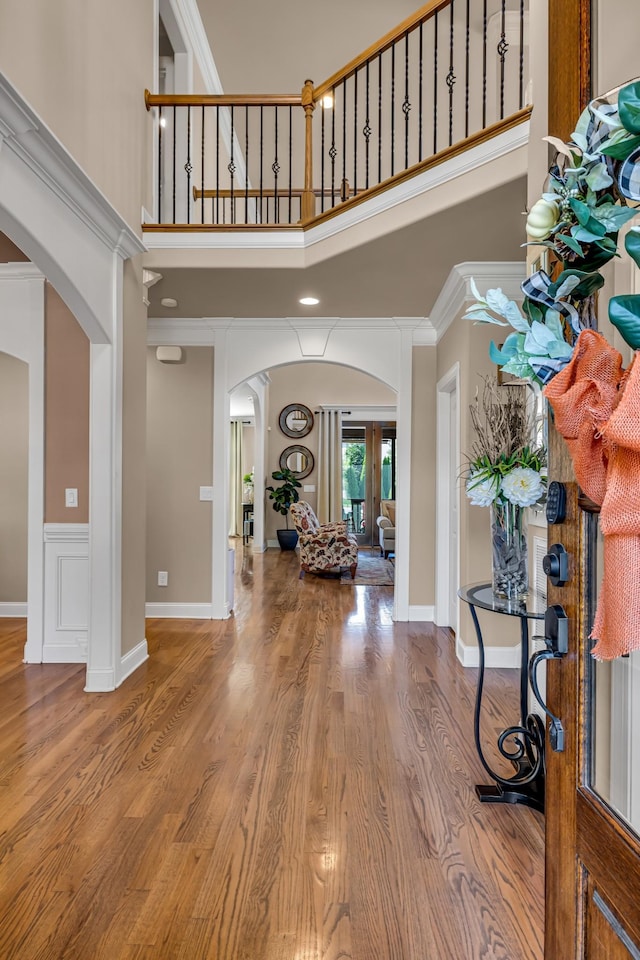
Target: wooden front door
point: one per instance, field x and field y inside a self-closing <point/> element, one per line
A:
<point x="593" y="783"/>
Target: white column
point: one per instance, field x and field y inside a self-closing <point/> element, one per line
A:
<point x="403" y="490"/>
<point x="259" y="386"/>
<point x="105" y="504"/>
<point x="219" y="513"/>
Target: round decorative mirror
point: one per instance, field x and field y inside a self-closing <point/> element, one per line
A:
<point x="297" y="459"/>
<point x="296" y="420"/>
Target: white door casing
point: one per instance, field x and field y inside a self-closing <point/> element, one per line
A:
<point x="447" y="496"/>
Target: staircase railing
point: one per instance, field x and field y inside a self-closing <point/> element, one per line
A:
<point x="448" y="77"/>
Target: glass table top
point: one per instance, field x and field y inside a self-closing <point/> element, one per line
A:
<point x="481" y="595"/>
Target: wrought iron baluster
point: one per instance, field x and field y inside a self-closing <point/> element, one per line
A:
<point x="275" y="166"/>
<point x="261" y="166"/>
<point x="188" y="166"/>
<point x="435" y="82"/>
<point x="420" y="84"/>
<point x="451" y="77"/>
<point x="355" y="133"/>
<point x="217" y="164"/>
<point x="322" y="139"/>
<point x="290" y="155"/>
<point x="246" y="164"/>
<point x="160" y="165"/>
<point x="380" y="118"/>
<point x="466" y="76"/>
<point x="521" y="77"/>
<point x="406" y="104"/>
<point x="231" y="167"/>
<point x="393" y="111"/>
<point x="366" y="131"/>
<point x="344" y="139"/>
<point x="503" y="46"/>
<point x="333" y="152"/>
<point x="202" y="167"/>
<point x="174" y="165"/>
<point x="484" y="64"/>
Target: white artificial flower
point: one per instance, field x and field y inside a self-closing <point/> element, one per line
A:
<point x="482" y="490"/>
<point x="522" y="486"/>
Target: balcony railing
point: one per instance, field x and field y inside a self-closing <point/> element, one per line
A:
<point x="450" y="76"/>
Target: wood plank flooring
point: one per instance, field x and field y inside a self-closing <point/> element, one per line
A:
<point x="293" y="784"/>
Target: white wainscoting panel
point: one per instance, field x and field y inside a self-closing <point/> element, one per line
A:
<point x="66" y="592"/>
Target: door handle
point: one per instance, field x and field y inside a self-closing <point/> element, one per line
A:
<point x="556" y="638"/>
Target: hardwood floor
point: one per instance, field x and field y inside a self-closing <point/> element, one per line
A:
<point x="295" y="783"/>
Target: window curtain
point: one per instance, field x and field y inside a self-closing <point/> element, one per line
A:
<point x="329" y="467"/>
<point x="235" y="480"/>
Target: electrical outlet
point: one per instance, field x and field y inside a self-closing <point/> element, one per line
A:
<point x="163" y="578"/>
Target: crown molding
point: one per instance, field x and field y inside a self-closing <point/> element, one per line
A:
<point x="20" y="271"/>
<point x="23" y="133"/>
<point x="456" y="291"/>
<point x="201" y="331"/>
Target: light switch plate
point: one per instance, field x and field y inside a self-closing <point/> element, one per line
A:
<point x="206" y="493"/>
<point x="309" y="488"/>
<point x="71" y="497"/>
<point x="163" y="578"/>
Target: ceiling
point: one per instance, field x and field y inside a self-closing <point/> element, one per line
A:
<point x="397" y="275"/>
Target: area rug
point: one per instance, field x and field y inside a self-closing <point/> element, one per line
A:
<point x="372" y="572"/>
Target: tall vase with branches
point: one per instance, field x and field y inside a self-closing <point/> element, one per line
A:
<point x="506" y="471"/>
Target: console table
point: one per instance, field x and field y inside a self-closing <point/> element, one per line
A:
<point x="523" y="743"/>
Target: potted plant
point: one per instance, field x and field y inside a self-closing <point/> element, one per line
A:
<point x="247" y="488"/>
<point x="283" y="496"/>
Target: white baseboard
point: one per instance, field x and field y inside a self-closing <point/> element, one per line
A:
<point x="133" y="659"/>
<point x="422" y="613"/>
<point x="179" y="611"/>
<point x="273" y="543"/>
<point x="71" y="650"/>
<point x="8" y="609"/>
<point x="502" y="657"/>
<point x="100" y="680"/>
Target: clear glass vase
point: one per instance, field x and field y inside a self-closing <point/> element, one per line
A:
<point x="510" y="568"/>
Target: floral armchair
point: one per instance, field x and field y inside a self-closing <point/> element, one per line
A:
<point x="323" y="546"/>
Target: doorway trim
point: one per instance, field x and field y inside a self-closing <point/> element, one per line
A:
<point x="446" y="387"/>
<point x="22" y="336"/>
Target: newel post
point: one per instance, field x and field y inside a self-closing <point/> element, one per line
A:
<point x="308" y="203"/>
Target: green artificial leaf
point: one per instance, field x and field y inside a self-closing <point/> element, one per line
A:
<point x="588" y="283"/>
<point x="572" y="243"/>
<point x="565" y="286"/>
<point x="581" y="210"/>
<point x="595" y="231"/>
<point x="629" y="107"/>
<point x="520" y="368"/>
<point x="632" y="244"/>
<point x="553" y="322"/>
<point x="624" y="313"/>
<point x="598" y="177"/>
<point x="532" y="310"/>
<point x="612" y="216"/>
<point x="479" y="315"/>
<point x="620" y="150"/>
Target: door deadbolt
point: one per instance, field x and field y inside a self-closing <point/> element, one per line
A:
<point x="556" y="565"/>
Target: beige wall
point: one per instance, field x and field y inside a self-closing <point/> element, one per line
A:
<point x="9" y="253"/>
<point x="134" y="477"/>
<point x="83" y="67"/>
<point x="469" y="345"/>
<point x="273" y="48"/>
<point x="423" y="478"/>
<point x="616" y="27"/>
<point x="179" y="462"/>
<point x="312" y="384"/>
<point x="14" y="464"/>
<point x="66" y="412"/>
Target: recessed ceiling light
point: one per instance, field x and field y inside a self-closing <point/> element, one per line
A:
<point x="308" y="301"/>
<point x="169" y="302"/>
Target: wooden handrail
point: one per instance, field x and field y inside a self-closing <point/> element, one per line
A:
<point x="222" y="100"/>
<point x="420" y="16"/>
